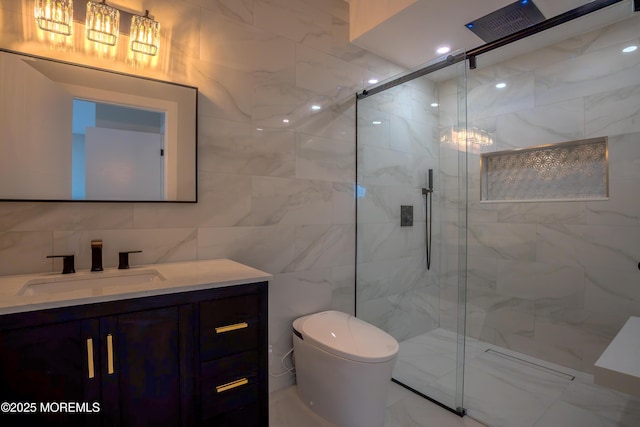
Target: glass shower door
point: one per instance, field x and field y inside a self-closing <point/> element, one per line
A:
<point x="411" y="225"/>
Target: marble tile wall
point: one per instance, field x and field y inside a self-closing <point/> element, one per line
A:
<point x="557" y="280"/>
<point x="280" y="199"/>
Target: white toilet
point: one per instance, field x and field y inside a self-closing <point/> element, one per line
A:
<point x="343" y="367"/>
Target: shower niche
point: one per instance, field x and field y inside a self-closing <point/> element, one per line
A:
<point x="574" y="170"/>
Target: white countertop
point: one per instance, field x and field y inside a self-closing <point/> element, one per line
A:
<point x="171" y="278"/>
<point x="619" y="365"/>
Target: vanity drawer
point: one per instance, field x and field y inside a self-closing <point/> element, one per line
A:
<point x="248" y="416"/>
<point x="228" y="326"/>
<point x="229" y="384"/>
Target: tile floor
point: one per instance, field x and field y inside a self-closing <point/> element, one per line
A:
<point x="502" y="389"/>
<point x="404" y="409"/>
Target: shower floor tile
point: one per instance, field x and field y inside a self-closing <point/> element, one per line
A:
<point x="504" y="388"/>
<point x="504" y="393"/>
<point x="606" y="407"/>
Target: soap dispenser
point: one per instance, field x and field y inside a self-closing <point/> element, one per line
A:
<point x="96" y="255"/>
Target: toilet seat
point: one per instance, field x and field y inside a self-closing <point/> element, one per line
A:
<point x="346" y="336"/>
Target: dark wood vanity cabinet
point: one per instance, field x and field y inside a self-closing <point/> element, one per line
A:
<point x="185" y="359"/>
<point x="42" y="364"/>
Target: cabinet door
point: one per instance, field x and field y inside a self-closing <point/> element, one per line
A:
<point x="50" y="364"/>
<point x="146" y="367"/>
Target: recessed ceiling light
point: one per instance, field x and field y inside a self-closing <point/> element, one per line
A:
<point x="629" y="49"/>
<point x="316" y="107"/>
<point x="443" y="49"/>
<point x="434" y="104"/>
<point x="376" y="122"/>
<point x="259" y="129"/>
<point x="285" y="120"/>
<point x="501" y="85"/>
<point x="372" y="81"/>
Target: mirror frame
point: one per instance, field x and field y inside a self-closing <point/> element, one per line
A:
<point x="114" y="77"/>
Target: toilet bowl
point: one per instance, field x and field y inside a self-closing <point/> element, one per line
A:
<point x="343" y="367"/>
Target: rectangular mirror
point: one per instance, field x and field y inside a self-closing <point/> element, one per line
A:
<point x="75" y="133"/>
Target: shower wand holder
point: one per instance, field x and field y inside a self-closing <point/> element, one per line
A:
<point x="428" y="208"/>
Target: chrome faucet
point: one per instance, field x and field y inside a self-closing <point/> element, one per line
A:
<point x="96" y="255"/>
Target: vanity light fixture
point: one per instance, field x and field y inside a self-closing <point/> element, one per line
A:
<point x="102" y="23"/>
<point x="145" y="34"/>
<point x="55" y="16"/>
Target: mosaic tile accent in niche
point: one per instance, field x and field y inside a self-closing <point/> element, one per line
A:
<point x="568" y="170"/>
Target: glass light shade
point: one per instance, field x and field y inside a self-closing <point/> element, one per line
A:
<point x="145" y="34"/>
<point x="55" y="16"/>
<point x="103" y="23"/>
<point x="474" y="136"/>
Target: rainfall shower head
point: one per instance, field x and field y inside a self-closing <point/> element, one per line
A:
<point x="506" y="21"/>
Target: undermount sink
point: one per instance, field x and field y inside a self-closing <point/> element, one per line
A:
<point x="92" y="282"/>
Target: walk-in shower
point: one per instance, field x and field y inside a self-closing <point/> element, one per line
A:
<point x="527" y="283"/>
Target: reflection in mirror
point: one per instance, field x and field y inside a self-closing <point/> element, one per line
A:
<point x="75" y="133"/>
<point x="121" y="147"/>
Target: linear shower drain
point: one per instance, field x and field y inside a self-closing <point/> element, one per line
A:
<point x="536" y="366"/>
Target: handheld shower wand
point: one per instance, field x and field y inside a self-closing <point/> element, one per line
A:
<point x="428" y="207"/>
<point x="429" y="188"/>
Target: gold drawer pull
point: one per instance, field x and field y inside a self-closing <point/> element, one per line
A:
<point x="91" y="368"/>
<point x="229" y="328"/>
<point x="231" y="385"/>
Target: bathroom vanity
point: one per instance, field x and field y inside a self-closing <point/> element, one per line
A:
<point x="181" y="344"/>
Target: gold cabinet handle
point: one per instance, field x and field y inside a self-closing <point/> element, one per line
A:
<point x="110" y="369"/>
<point x="232" y="385"/>
<point x="229" y="328"/>
<point x="91" y="369"/>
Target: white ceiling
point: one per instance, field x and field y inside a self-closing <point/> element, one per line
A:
<point x="410" y="38"/>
